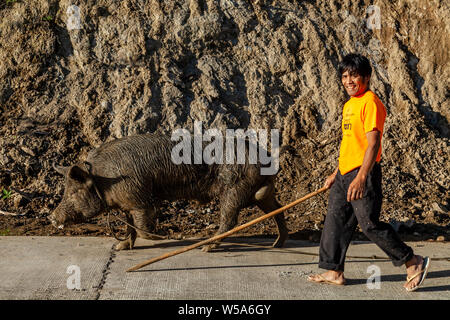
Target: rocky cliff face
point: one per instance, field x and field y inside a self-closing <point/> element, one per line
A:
<point x="76" y="73"/>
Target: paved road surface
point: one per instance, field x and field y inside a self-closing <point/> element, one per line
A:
<point x="241" y="269"/>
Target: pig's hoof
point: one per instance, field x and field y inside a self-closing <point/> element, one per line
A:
<point x="210" y="247"/>
<point x="279" y="243"/>
<point x="124" y="245"/>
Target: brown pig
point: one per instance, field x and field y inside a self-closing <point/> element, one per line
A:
<point x="136" y="173"/>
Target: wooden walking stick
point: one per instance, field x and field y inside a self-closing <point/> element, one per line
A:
<point x="228" y="233"/>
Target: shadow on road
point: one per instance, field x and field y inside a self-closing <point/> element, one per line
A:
<point x="401" y="278"/>
<point x="234" y="244"/>
<point x="227" y="267"/>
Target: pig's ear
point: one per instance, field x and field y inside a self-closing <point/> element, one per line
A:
<point x="60" y="169"/>
<point x="78" y="174"/>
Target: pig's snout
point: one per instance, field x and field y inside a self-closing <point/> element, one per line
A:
<point x="55" y="223"/>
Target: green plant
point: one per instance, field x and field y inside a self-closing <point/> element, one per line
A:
<point x="5" y="3"/>
<point x="47" y="18"/>
<point x="6" y="194"/>
<point x="4" y="232"/>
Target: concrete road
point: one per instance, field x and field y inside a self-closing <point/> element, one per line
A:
<point x="241" y="269"/>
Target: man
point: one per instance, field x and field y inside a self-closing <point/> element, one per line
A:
<point x="355" y="186"/>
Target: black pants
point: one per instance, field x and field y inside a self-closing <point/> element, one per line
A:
<point x="343" y="217"/>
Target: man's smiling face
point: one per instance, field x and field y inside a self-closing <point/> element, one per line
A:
<point x="354" y="83"/>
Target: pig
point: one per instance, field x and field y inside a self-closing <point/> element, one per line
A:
<point x="136" y="173"/>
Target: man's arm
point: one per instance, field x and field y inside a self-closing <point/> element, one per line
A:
<point x="331" y="178"/>
<point x="356" y="188"/>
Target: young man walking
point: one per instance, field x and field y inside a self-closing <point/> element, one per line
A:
<point x="355" y="186"/>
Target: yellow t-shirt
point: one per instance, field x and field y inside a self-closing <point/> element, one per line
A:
<point x="361" y="114"/>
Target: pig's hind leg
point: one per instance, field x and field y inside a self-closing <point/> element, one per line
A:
<point x="230" y="205"/>
<point x="266" y="201"/>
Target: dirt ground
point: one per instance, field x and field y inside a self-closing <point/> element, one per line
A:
<point x="155" y="66"/>
<point x="183" y="219"/>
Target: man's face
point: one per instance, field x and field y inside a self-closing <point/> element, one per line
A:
<point x="354" y="83"/>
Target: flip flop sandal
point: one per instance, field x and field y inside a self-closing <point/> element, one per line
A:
<point x="323" y="280"/>
<point x="422" y="273"/>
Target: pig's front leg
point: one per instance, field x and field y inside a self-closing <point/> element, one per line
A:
<point x="145" y="220"/>
<point x="128" y="244"/>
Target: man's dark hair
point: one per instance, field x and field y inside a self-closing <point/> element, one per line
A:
<point x="355" y="64"/>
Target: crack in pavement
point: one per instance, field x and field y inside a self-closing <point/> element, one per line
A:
<point x="105" y="272"/>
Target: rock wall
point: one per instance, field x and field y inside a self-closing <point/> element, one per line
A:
<point x="76" y="73"/>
